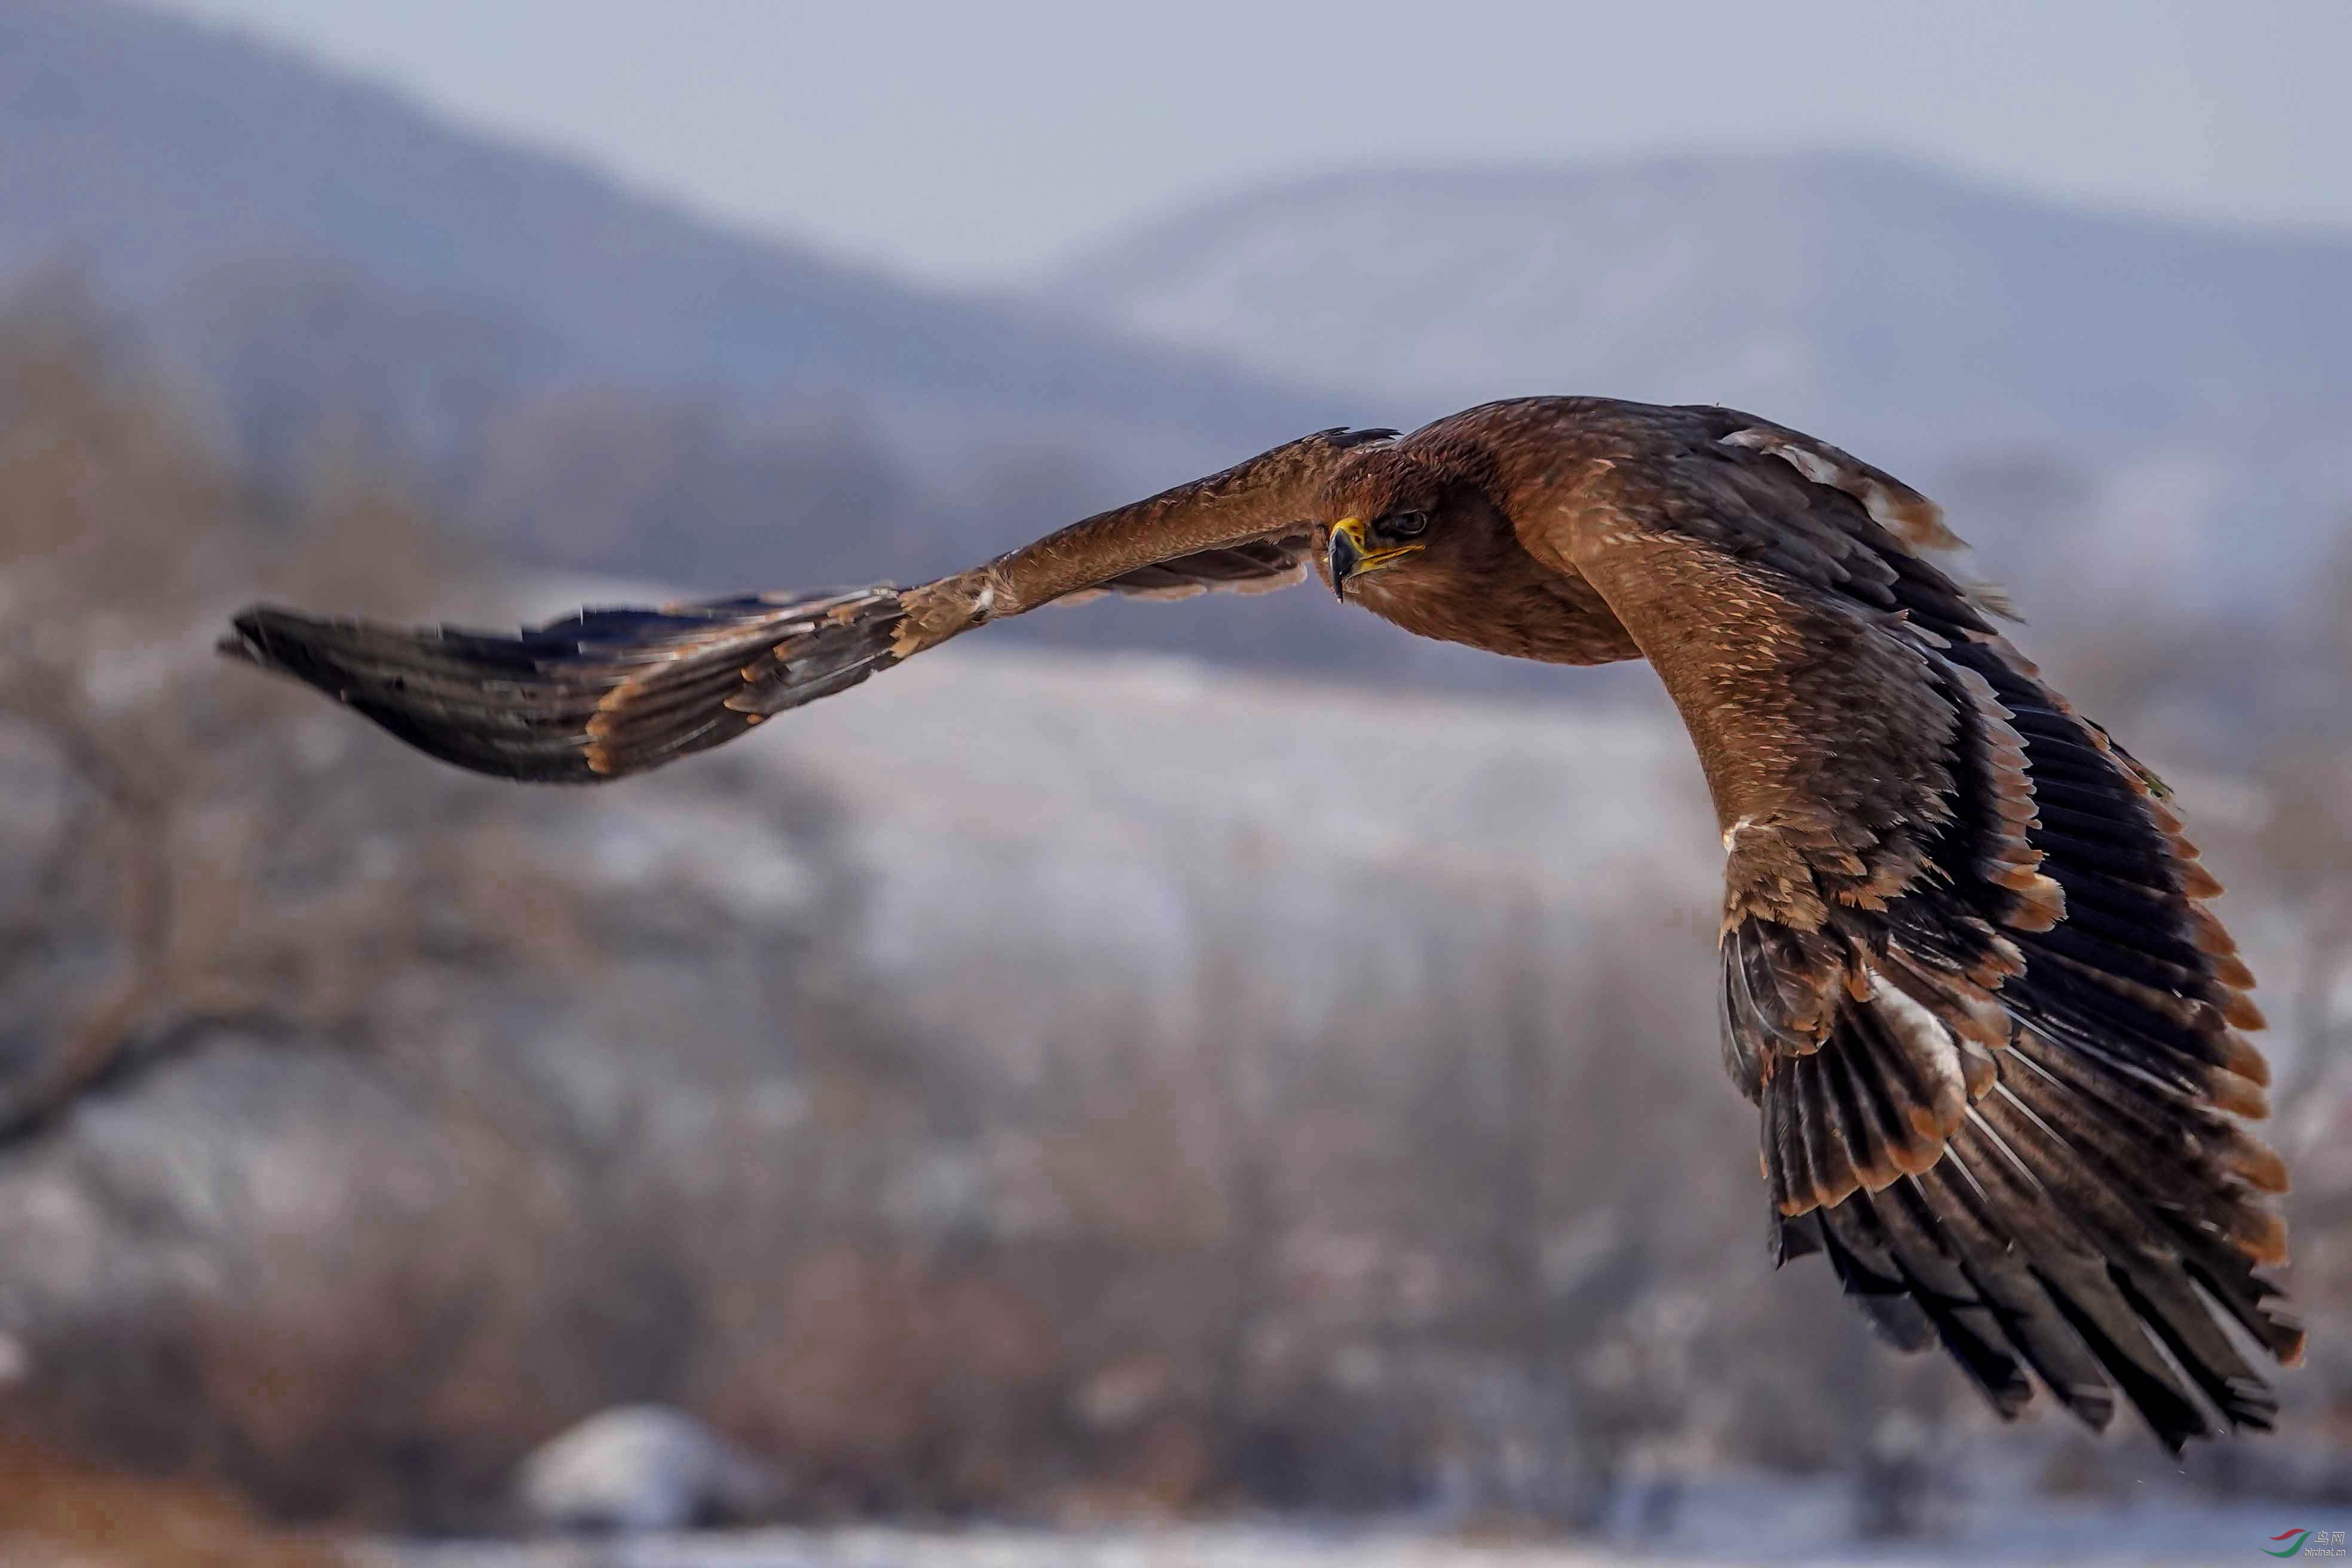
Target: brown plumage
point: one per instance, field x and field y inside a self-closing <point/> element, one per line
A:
<point x="1968" y="977"/>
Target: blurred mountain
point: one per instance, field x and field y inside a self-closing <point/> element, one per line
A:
<point x="1903" y="305"/>
<point x="2198" y="376"/>
<point x="320" y="246"/>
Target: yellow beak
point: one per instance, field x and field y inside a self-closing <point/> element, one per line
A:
<point x="1349" y="555"/>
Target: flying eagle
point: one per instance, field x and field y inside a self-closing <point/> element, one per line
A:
<point x="1968" y="979"/>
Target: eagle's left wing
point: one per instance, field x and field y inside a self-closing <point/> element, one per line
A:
<point x="609" y="692"/>
<point x="1969" y="977"/>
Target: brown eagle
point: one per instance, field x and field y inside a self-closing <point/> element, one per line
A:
<point x="1969" y="978"/>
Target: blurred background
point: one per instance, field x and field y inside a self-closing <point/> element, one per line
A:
<point x="1189" y="1080"/>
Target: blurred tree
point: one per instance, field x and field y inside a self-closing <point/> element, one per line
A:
<point x="121" y="542"/>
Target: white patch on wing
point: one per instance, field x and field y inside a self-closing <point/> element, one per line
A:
<point x="1916" y="520"/>
<point x="1927" y="1041"/>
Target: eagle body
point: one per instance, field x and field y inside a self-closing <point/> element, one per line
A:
<point x="1997" y="1043"/>
<point x="1603" y="531"/>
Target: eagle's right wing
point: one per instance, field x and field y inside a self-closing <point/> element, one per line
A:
<point x="609" y="692"/>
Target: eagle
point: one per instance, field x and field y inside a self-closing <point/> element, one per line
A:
<point x="1997" y="1043"/>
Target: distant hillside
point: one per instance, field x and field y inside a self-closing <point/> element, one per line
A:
<point x="325" y="239"/>
<point x="1837" y="289"/>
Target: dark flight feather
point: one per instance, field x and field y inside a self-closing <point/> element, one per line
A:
<point x="593" y="696"/>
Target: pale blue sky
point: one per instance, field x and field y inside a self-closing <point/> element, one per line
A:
<point x="976" y="141"/>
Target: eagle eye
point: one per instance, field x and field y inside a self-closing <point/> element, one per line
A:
<point x="1405" y="524"/>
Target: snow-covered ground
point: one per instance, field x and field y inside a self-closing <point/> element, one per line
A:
<point x="1022" y="810"/>
<point x="1735" y="1529"/>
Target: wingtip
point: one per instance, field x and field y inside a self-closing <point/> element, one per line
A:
<point x="250" y="631"/>
<point x="244" y="639"/>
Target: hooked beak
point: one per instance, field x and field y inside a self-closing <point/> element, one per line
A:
<point x="1349" y="557"/>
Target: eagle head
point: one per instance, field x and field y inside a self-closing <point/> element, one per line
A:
<point x="1385" y="509"/>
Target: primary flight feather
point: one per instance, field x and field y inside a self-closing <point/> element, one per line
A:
<point x="1996" y="1041"/>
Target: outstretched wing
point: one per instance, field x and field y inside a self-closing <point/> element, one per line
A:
<point x="1968" y="976"/>
<point x="609" y="692"/>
